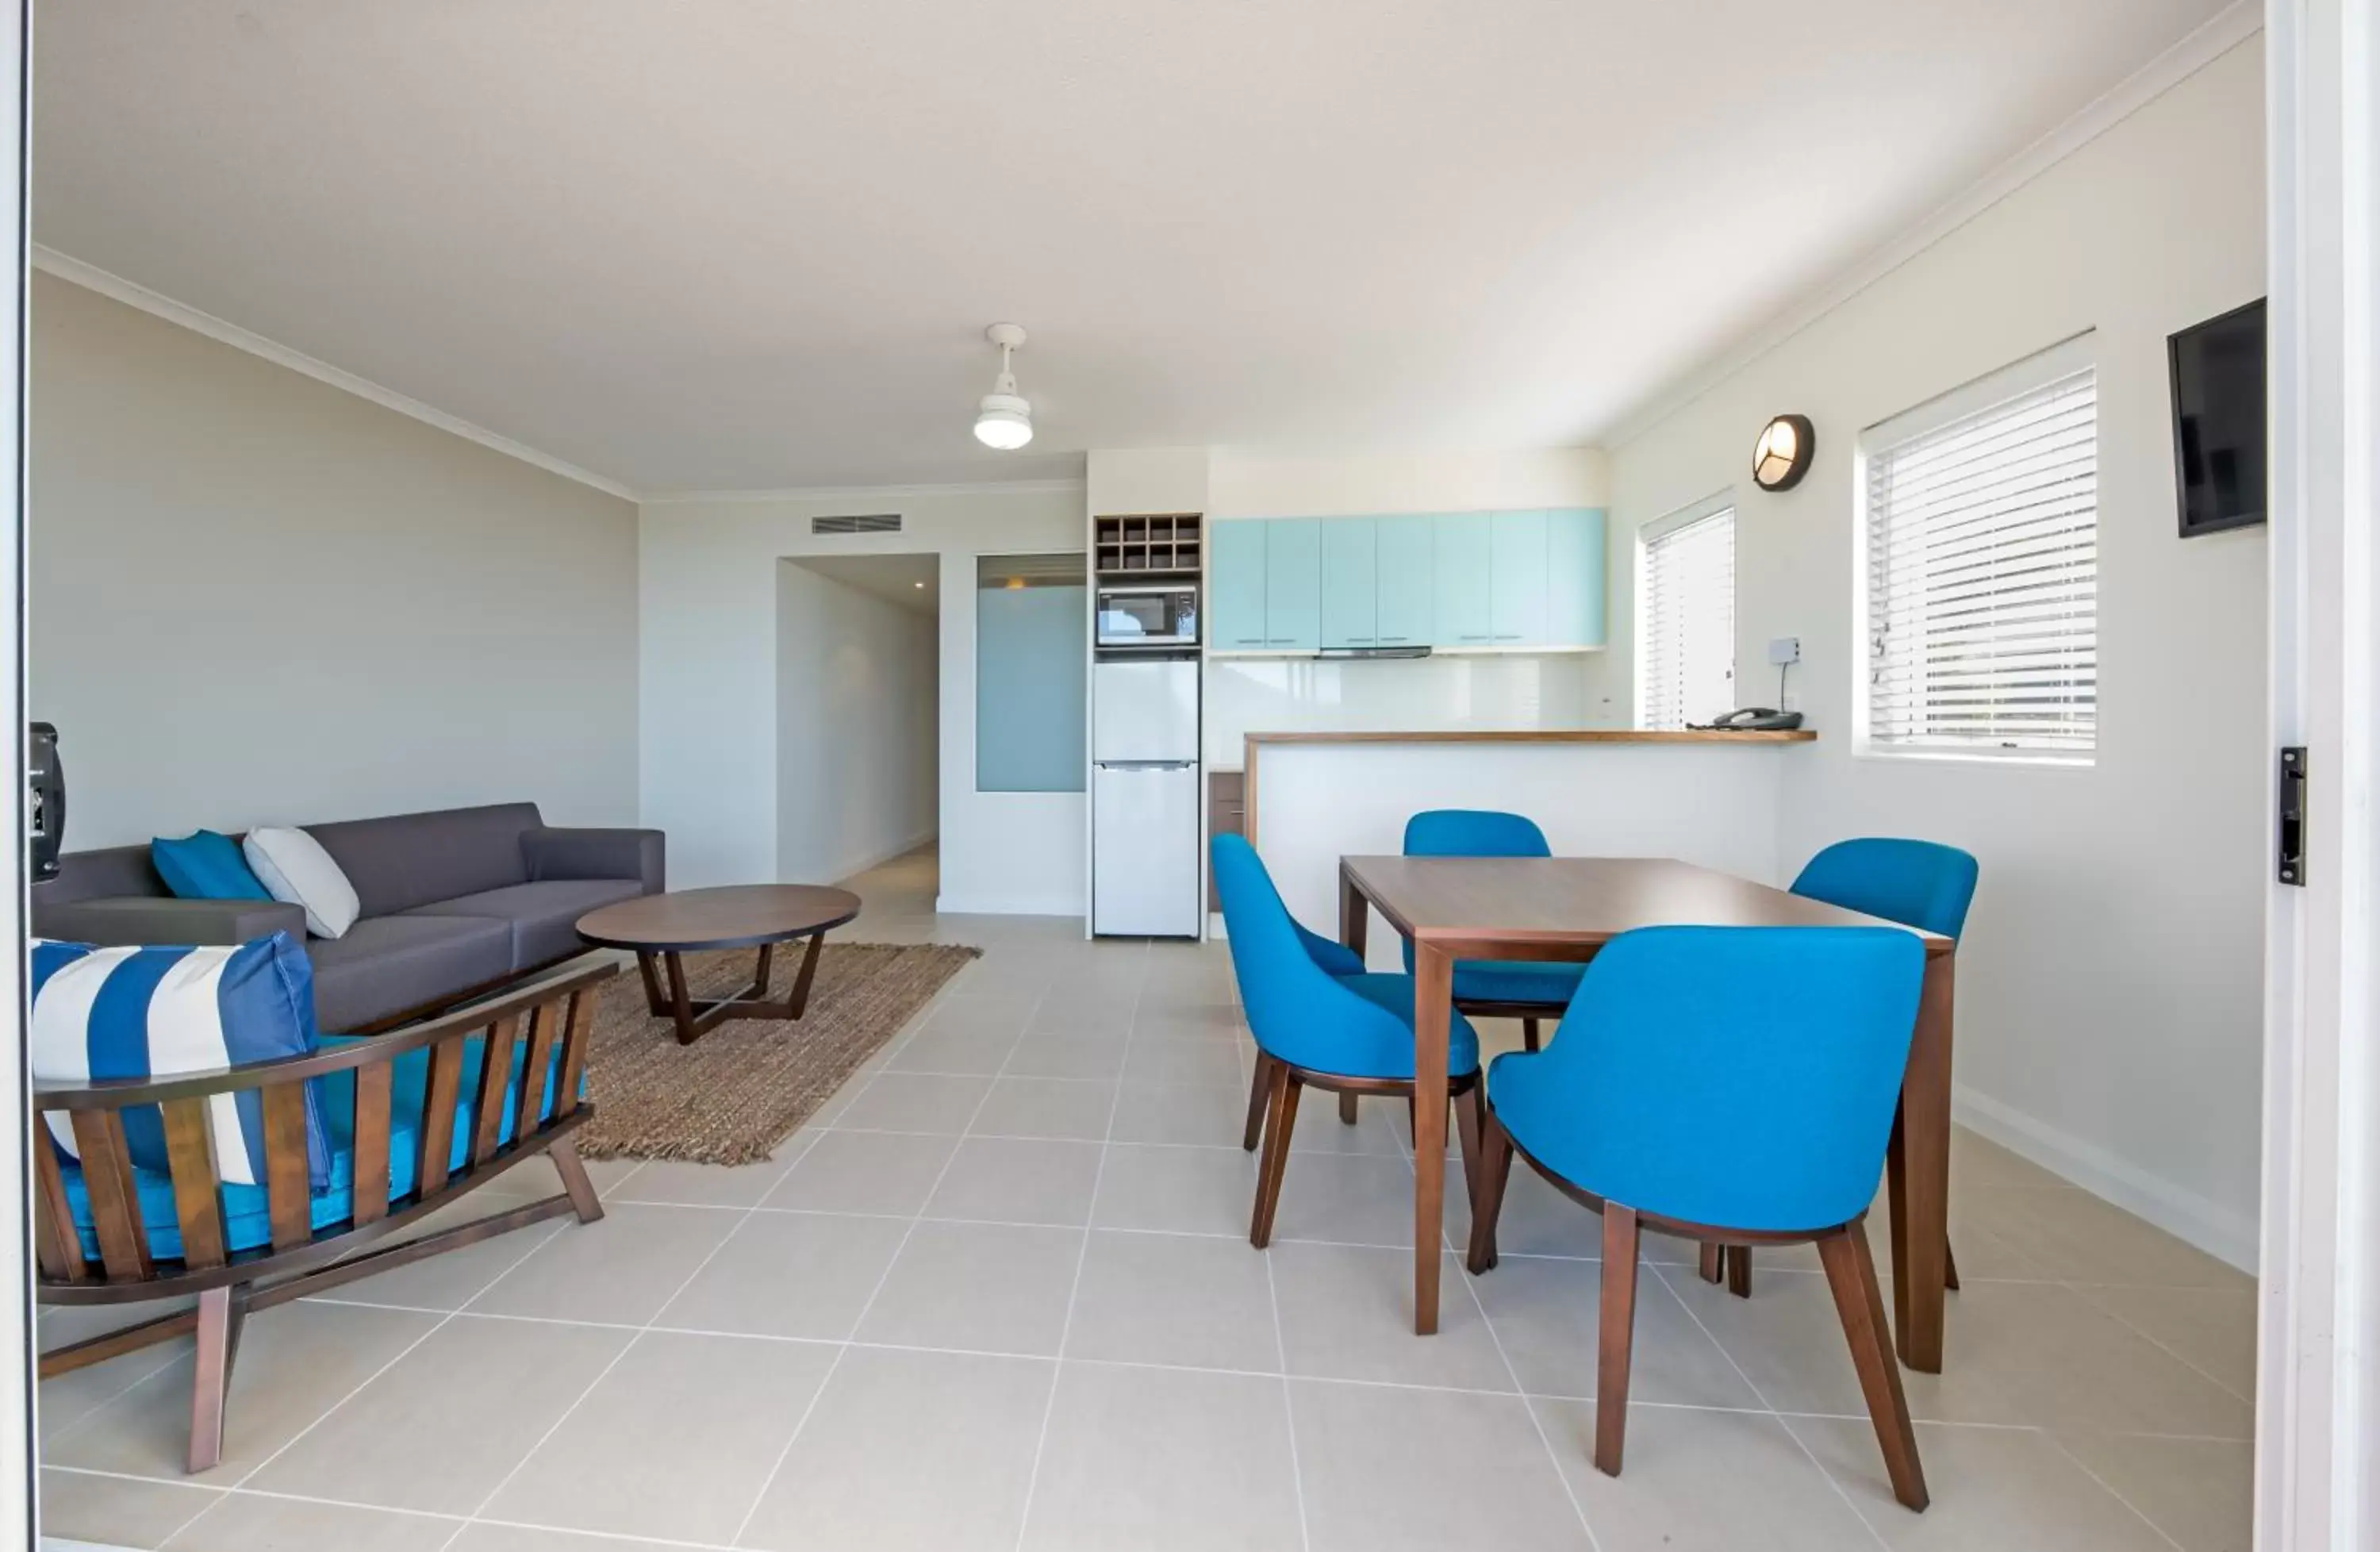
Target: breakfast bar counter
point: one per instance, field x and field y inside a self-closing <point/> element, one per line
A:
<point x="1708" y="798"/>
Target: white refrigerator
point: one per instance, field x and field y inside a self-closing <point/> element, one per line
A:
<point x="1144" y="798"/>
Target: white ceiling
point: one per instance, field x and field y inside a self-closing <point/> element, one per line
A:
<point x="747" y="243"/>
<point x="911" y="582"/>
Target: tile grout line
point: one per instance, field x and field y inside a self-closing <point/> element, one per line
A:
<point x="1280" y="1338"/>
<point x="2107" y="1487"/>
<point x="1840" y="1491"/>
<point x="1082" y="1257"/>
<point x="291" y="1443"/>
<point x="2153" y="1340"/>
<point x="1463" y="1274"/>
<point x="843" y="1349"/>
<point x="618" y="1358"/>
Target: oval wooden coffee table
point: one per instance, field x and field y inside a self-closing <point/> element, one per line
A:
<point x="668" y="927"/>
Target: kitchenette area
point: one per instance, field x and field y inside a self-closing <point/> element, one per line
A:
<point x="1312" y="680"/>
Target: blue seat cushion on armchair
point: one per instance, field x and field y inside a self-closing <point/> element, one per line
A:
<point x="248" y="1217"/>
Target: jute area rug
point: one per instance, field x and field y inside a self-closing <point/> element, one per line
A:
<point x="738" y="1092"/>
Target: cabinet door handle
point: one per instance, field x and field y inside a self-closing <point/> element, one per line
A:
<point x="1390" y="639"/>
<point x="1514" y="636"/>
<point x="1282" y="641"/>
<point x="1470" y="638"/>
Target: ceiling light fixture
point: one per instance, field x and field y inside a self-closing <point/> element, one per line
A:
<point x="1004" y="420"/>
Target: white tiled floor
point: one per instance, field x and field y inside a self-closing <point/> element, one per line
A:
<point x="999" y="1296"/>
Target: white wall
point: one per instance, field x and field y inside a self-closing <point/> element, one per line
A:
<point x="255" y="598"/>
<point x="2109" y="998"/>
<point x="857" y="707"/>
<point x="708" y="678"/>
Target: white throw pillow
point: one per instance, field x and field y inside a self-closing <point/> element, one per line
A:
<point x="294" y="868"/>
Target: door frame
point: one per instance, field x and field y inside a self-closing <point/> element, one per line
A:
<point x="2318" y="1340"/>
<point x="17" y="1396"/>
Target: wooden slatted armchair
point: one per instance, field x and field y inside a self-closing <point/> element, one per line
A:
<point x="415" y="1119"/>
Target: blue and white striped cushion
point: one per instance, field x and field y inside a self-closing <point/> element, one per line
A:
<point x="152" y="1011"/>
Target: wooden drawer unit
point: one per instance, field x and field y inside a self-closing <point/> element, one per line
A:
<point x="1227" y="814"/>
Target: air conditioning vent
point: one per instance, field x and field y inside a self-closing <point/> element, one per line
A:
<point x="873" y="522"/>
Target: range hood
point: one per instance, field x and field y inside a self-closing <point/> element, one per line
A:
<point x="1341" y="653"/>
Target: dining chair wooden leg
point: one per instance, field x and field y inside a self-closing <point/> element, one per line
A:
<point x="1529" y="1033"/>
<point x="1619" y="1335"/>
<point x="1711" y="1263"/>
<point x="212" y="1381"/>
<point x="1275" y="1163"/>
<point x="1851" y="1272"/>
<point x="1738" y="1271"/>
<point x="1487" y="1186"/>
<point x="1950" y="1268"/>
<point x="1346" y="1109"/>
<point x="1259" y="1094"/>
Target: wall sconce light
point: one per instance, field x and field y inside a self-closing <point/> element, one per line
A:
<point x="1782" y="455"/>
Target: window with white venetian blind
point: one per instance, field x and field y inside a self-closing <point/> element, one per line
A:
<point x="1982" y="566"/>
<point x="1687" y="644"/>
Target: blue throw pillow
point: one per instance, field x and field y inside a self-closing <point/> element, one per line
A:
<point x="153" y="1012"/>
<point x="206" y="866"/>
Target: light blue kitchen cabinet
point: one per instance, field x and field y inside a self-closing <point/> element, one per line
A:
<point x="1236" y="586"/>
<point x="1293" y="612"/>
<point x="1465" y="605"/>
<point x="1405" y="552"/>
<point x="1517" y="572"/>
<point x="1350" y="583"/>
<point x="1576" y="556"/>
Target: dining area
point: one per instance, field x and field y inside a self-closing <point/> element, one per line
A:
<point x="1703" y="1057"/>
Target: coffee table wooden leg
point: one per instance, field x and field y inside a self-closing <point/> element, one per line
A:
<point x="761" y="973"/>
<point x="653" y="999"/>
<point x="799" y="998"/>
<point x="680" y="1006"/>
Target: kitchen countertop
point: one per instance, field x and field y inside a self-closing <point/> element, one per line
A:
<point x="1571" y="735"/>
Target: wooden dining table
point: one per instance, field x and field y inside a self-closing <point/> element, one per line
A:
<point x="1567" y="908"/>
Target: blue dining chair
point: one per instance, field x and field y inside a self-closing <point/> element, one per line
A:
<point x="1921" y="884"/>
<point x="1332" y="958"/>
<point x="1669" y="1099"/>
<point x="1345" y="1034"/>
<point x="1494" y="988"/>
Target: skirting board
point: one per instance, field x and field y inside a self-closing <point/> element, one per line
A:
<point x="2223" y="1234"/>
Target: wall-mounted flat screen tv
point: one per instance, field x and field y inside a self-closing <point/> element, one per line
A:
<point x="2218" y="421"/>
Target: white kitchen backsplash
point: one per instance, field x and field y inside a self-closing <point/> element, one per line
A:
<point x="1496" y="693"/>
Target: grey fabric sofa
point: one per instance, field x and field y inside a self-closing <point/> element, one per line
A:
<point x="453" y="902"/>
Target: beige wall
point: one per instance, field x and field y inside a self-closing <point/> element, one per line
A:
<point x="2110" y="984"/>
<point x="256" y="598"/>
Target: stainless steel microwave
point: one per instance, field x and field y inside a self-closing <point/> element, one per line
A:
<point x="1148" y="615"/>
